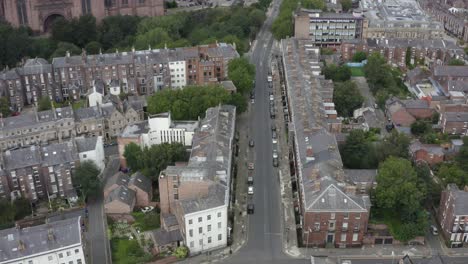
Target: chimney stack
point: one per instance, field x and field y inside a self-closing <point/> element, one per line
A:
<point x="350" y="189"/>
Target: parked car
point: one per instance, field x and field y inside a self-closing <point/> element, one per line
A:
<point x="273" y="134"/>
<point x="147" y="209"/>
<point x="250" y="179"/>
<point x="275" y="154"/>
<point x="251" y="143"/>
<point x="252" y="101"/>
<point x="275" y="141"/>
<point x="250" y="209"/>
<point x="275" y="162"/>
<point x="273" y="127"/>
<point x="270" y="78"/>
<point x="434" y="230"/>
<point x="250" y="190"/>
<point x="272" y="97"/>
<point x="251" y="166"/>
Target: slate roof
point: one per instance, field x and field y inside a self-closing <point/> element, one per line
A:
<point x="122" y="194"/>
<point x="135" y="130"/>
<point x="416" y="145"/>
<point x="456" y="117"/>
<point x="85" y="144"/>
<point x="141" y="181"/>
<point x="460" y="204"/>
<point x="36" y="66"/>
<point x="118" y="178"/>
<point x="23" y="157"/>
<point x="88" y="113"/>
<point x="319" y="162"/>
<point x="210" y="159"/>
<point x="162" y="237"/>
<point x="454" y="71"/>
<point x="361" y="175"/>
<point x="58" y="153"/>
<point x="30" y="119"/>
<point x="38" y="239"/>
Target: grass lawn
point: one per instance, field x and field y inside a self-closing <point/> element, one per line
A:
<point x="148" y="221"/>
<point x="128" y="252"/>
<point x="357" y="71"/>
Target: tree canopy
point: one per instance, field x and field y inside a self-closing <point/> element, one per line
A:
<point x="44" y="104"/>
<point x="337" y="73"/>
<point x="242" y="74"/>
<point x="4" y="107"/>
<point x="12" y="211"/>
<point x="347" y="98"/>
<point x="398" y="192"/>
<point x="151" y="161"/>
<point x="191" y="102"/>
<point x="359" y="151"/>
<point x="359" y="56"/>
<point x="346" y="5"/>
<point x="86" y="178"/>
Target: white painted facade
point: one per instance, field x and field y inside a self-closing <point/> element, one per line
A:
<point x="69" y="255"/>
<point x="162" y="130"/>
<point x="206" y="230"/>
<point x="178" y="74"/>
<point x="95" y="98"/>
<point x="114" y="89"/>
<point x="96" y="155"/>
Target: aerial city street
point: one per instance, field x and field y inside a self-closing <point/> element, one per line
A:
<point x="234" y="131"/>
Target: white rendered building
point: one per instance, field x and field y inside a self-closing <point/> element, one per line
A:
<point x="178" y="75"/>
<point x="91" y="148"/>
<point x="163" y="130"/>
<point x="52" y="243"/>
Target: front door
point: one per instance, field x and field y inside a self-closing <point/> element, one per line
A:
<point x="330" y="238"/>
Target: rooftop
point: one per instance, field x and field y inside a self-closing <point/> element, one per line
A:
<point x="16" y="244"/>
<point x="86" y="143"/>
<point x="453" y="71"/>
<point x="58" y="153"/>
<point x="319" y="162"/>
<point x="135" y="130"/>
<point x="122" y="194"/>
<point x="210" y="159"/>
<point x="141" y="181"/>
<point x="460" y="200"/>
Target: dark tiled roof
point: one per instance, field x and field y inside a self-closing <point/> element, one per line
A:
<point x="141" y="182"/>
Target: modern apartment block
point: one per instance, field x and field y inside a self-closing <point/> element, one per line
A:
<point x="136" y="72"/>
<point x="327" y="29"/>
<point x="198" y="194"/>
<point x="56" y="242"/>
<point x="398" y="19"/>
<point x="434" y="51"/>
<point x="331" y="211"/>
<point x="453" y="215"/>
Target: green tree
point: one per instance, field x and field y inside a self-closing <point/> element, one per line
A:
<point x="395" y="144"/>
<point x="62" y="30"/>
<point x="22" y="208"/>
<point x="242" y="74"/>
<point x="451" y="173"/>
<point x="347" y="98"/>
<point x="4" y="107"/>
<point x="133" y="155"/>
<point x="456" y="62"/>
<point x="44" y="104"/>
<point x="93" y="47"/>
<point x="14" y="44"/>
<point x="358" y="151"/>
<point x="466" y="50"/>
<point x="85" y="30"/>
<point x="155" y="38"/>
<point x="86" y="179"/>
<point x="158" y="157"/>
<point x="337" y="73"/>
<point x="169" y="5"/>
<point x="63" y="48"/>
<point x="420" y="127"/>
<point x="181" y="252"/>
<point x="313" y="4"/>
<point x="8" y="213"/>
<point x="359" y="56"/>
<point x="239" y="101"/>
<point x="346" y="5"/>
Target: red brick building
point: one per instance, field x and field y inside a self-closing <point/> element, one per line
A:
<point x="453" y="215"/>
<point x="40" y="14"/>
<point x="429" y="153"/>
<point x="444" y="74"/>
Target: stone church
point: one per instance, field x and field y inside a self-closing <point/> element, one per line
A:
<point x="39" y="14"/>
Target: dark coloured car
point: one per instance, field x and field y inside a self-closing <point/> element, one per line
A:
<point x="250" y="209"/>
<point x="273" y="127"/>
<point x="275" y="162"/>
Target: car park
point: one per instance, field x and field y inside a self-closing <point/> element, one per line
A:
<point x="250" y="209"/>
<point x="250" y="190"/>
<point x="251" y="166"/>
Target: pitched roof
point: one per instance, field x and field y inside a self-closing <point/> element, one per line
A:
<point x="86" y="143"/>
<point x="460" y="204"/>
<point x="141" y="182"/>
<point x="361" y="175"/>
<point x="454" y="71"/>
<point x="39" y="239"/>
<point x="334" y="199"/>
<point x="118" y="178"/>
<point x="162" y="237"/>
<point x="58" y="153"/>
<point x="23" y="157"/>
<point x="416" y="145"/>
<point x="121" y="194"/>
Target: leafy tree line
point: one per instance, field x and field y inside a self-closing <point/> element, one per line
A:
<point x="457" y="171"/>
<point x="384" y="80"/>
<point x="233" y="25"/>
<point x="86" y="179"/>
<point x="192" y="102"/>
<point x="151" y="161"/>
